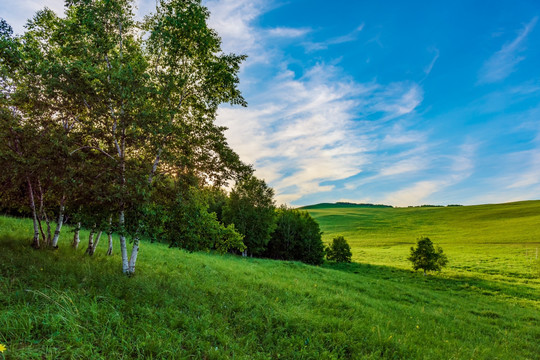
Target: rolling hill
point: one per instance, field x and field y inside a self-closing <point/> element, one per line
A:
<point x="62" y="304"/>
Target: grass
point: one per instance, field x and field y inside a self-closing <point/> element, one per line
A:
<point x="485" y="240"/>
<point x="65" y="305"/>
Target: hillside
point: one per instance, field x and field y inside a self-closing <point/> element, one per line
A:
<point x="500" y="239"/>
<point x="339" y="205"/>
<point x="63" y="304"/>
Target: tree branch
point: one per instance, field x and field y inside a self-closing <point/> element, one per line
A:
<point x="94" y="148"/>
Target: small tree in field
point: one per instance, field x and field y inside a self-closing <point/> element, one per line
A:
<point x="426" y="257"/>
<point x="339" y="250"/>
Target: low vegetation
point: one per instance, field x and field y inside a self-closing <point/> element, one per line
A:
<point x="60" y="304"/>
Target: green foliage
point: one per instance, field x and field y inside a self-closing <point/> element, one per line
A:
<point x="95" y="105"/>
<point x="426" y="257"/>
<point x="229" y="240"/>
<point x="190" y="226"/>
<point x="296" y="237"/>
<point x="339" y="250"/>
<point x="251" y="209"/>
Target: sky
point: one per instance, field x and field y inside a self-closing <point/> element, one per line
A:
<point x="389" y="102"/>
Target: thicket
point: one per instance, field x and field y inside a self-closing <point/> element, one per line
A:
<point x="297" y="236"/>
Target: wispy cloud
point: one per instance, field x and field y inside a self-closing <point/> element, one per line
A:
<point x="499" y="66"/>
<point x="429" y="67"/>
<point x="233" y="22"/>
<point x="306" y="133"/>
<point x="453" y="170"/>
<point x="287" y="32"/>
<point x="303" y="133"/>
<point x="17" y="15"/>
<point x="531" y="176"/>
<point x="322" y="45"/>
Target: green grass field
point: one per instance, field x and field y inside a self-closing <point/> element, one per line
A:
<point x="485" y="305"/>
<point x="496" y="240"/>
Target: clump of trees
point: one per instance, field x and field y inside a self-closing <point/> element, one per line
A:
<point x="108" y="123"/>
<point x="297" y="236"/>
<point x="96" y="108"/>
<point x="426" y="257"/>
<point x="339" y="250"/>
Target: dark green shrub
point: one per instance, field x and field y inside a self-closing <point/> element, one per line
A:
<point x="250" y="207"/>
<point x="339" y="250"/>
<point x="426" y="257"/>
<point x="297" y="237"/>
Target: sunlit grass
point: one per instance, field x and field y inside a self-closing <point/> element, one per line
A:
<point x="62" y="304"/>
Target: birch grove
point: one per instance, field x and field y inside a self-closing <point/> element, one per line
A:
<point x="111" y="104"/>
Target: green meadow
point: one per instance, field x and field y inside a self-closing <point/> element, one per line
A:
<point x="62" y="304"/>
<point x="498" y="241"/>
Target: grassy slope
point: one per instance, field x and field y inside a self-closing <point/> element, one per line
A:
<point x="485" y="239"/>
<point x="62" y="304"/>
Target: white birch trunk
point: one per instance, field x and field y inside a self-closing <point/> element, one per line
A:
<point x="35" y="241"/>
<point x="109" y="234"/>
<point x="96" y="242"/>
<point x="76" y="238"/>
<point x="89" y="249"/>
<point x="58" y="227"/>
<point x="133" y="258"/>
<point x="123" y="244"/>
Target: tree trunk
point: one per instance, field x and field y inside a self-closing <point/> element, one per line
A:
<point x="133" y="258"/>
<point x="58" y="225"/>
<point x="109" y="234"/>
<point x="48" y="240"/>
<point x="96" y="243"/>
<point x="90" y="248"/>
<point x="35" y="241"/>
<point x="123" y="244"/>
<point x="43" y="216"/>
<point x="76" y="238"/>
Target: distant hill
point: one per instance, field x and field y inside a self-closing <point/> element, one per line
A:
<point x="343" y="205"/>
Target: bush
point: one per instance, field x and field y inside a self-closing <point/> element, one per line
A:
<point x="297" y="237"/>
<point x="190" y="226"/>
<point x="339" y="250"/>
<point x="426" y="257"/>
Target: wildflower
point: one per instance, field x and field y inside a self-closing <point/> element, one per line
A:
<point x="2" y="348"/>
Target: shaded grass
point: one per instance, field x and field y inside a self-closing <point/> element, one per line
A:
<point x="63" y="304"/>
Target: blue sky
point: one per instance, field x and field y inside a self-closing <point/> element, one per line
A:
<point x="395" y="102"/>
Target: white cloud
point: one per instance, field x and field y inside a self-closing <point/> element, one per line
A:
<point x="411" y="165"/>
<point x="302" y="133"/>
<point x="232" y="19"/>
<point x="322" y="45"/>
<point x="288" y="32"/>
<point x="531" y="175"/>
<point x="415" y="194"/>
<point x="306" y="131"/>
<point x="17" y="13"/>
<point x="396" y="99"/>
<point x="427" y="69"/>
<point x="458" y="168"/>
<point x="504" y="61"/>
